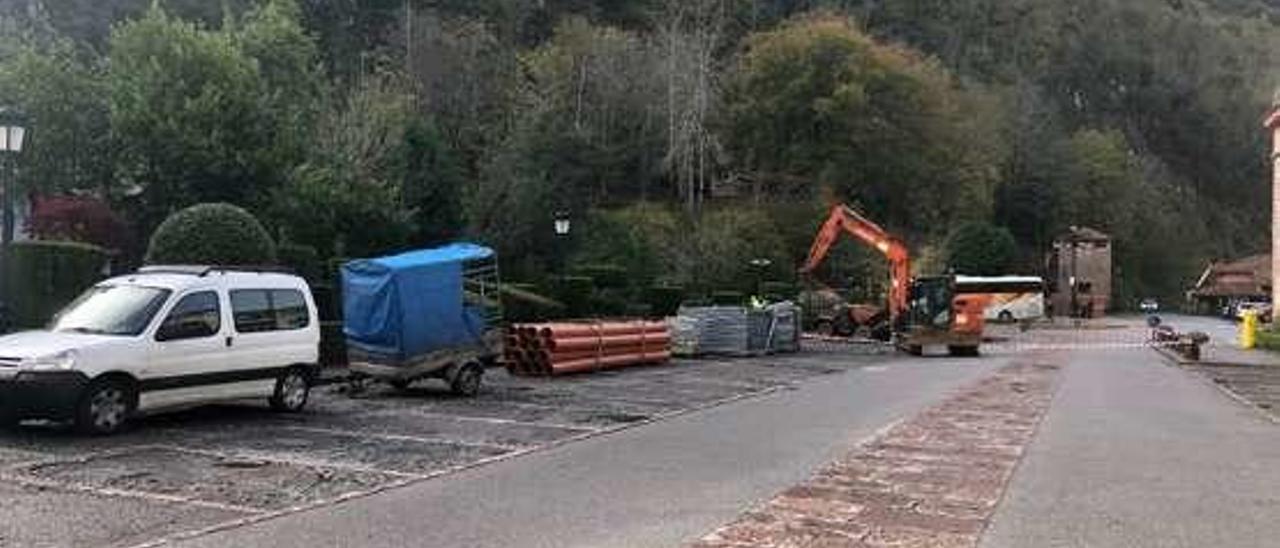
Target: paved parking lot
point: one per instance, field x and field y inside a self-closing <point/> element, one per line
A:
<point x="214" y="467"/>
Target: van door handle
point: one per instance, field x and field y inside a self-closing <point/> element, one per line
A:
<point x="229" y="342"/>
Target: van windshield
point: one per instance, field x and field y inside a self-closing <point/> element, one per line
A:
<point x="123" y="310"/>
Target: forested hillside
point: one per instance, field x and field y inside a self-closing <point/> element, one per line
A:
<point x="686" y="137"/>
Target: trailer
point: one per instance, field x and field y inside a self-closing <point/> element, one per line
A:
<point x="432" y="313"/>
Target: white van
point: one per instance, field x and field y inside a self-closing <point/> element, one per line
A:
<point x="163" y="338"/>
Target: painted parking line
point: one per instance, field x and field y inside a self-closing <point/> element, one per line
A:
<point x="275" y="458"/>
<point x="77" y="487"/>
<point x="499" y="421"/>
<point x="402" y="437"/>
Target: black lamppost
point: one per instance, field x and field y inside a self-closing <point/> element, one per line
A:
<point x="562" y="226"/>
<point x="13" y="132"/>
<point x="759" y="265"/>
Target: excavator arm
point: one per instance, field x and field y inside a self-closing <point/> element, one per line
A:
<point x="844" y="219"/>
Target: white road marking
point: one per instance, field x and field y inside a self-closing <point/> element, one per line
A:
<point x="402" y="437"/>
<point x="495" y="420"/>
<point x="278" y="459"/>
<point x="29" y="481"/>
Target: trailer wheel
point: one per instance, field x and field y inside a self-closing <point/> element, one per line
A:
<point x="400" y="384"/>
<point x="467" y="381"/>
<point x="915" y="350"/>
<point x="963" y="351"/>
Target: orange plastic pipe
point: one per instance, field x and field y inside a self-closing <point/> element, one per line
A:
<point x="608" y="362"/>
<point x="571" y="355"/>
<point x="574" y="330"/>
<point x="657" y="339"/>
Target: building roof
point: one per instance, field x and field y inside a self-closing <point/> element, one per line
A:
<point x="1083" y="234"/>
<point x="1243" y="277"/>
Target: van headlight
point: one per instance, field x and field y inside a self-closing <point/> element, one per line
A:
<point x="61" y="361"/>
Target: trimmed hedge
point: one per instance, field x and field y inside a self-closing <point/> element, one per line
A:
<point x="212" y="234"/>
<point x="664" y="301"/>
<point x="41" y="277"/>
<point x="779" y="291"/>
<point x="577" y="293"/>
<point x="1269" y="339"/>
<point x="728" y="298"/>
<point x="521" y="303"/>
<point x="605" y="276"/>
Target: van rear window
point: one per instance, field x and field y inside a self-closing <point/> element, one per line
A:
<point x="264" y="310"/>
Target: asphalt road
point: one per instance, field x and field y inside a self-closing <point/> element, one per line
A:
<point x="1221" y="331"/>
<point x="658" y="485"/>
<point x="1136" y="453"/>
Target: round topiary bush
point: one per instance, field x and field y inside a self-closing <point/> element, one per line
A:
<point x="212" y="234"/>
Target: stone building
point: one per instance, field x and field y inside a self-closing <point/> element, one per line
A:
<point x="1079" y="273"/>
<point x="1226" y="282"/>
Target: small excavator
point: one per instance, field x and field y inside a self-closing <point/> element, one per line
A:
<point x="921" y="312"/>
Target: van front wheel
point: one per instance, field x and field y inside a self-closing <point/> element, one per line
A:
<point x="293" y="387"/>
<point x="105" y="407"/>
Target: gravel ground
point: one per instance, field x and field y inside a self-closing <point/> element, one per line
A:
<point x="176" y="473"/>
<point x="1256" y="384"/>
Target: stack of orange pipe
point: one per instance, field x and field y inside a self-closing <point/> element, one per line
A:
<point x="563" y="348"/>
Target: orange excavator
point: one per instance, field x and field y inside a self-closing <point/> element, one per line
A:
<point x="921" y="312"/>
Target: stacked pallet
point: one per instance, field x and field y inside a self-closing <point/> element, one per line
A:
<point x="563" y="348"/>
<point x="736" y="331"/>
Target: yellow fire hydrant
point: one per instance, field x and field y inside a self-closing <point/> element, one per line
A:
<point x="1249" y="330"/>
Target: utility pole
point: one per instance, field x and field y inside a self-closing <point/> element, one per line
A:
<point x="1273" y="124"/>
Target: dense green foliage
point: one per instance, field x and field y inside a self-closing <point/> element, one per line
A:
<point x="212" y="234"/>
<point x="687" y="138"/>
<point x="981" y="249"/>
<point x="42" y="277"/>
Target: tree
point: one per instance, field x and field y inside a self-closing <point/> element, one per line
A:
<point x="595" y="99"/>
<point x="690" y="37"/>
<point x="348" y="198"/>
<point x="981" y="249"/>
<point x="432" y="181"/>
<point x="816" y="102"/>
<point x="288" y="64"/>
<point x="63" y="93"/>
<point x="186" y="115"/>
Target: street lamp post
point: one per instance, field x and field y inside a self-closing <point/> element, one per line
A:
<point x="13" y="132"/>
<point x="562" y="226"/>
<point x="759" y="265"/>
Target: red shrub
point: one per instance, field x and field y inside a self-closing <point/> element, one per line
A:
<point x="78" y="219"/>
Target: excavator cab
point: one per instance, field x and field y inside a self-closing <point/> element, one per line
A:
<point x="937" y="316"/>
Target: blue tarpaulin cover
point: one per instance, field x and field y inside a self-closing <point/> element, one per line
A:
<point x="408" y="305"/>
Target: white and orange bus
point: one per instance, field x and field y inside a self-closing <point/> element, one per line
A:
<point x="1010" y="298"/>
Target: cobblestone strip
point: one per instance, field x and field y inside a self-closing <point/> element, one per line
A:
<point x="932" y="481"/>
